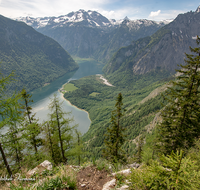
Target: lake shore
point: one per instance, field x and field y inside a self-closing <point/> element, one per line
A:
<point x="75" y="105"/>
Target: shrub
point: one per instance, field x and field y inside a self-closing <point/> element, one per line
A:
<point x="172" y="172"/>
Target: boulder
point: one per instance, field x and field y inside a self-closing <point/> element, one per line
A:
<point x="123" y="172"/>
<point x="134" y="165"/>
<point x="46" y="165"/>
<point x="109" y="185"/>
<point x="123" y="187"/>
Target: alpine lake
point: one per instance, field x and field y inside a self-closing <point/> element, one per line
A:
<point x="42" y="97"/>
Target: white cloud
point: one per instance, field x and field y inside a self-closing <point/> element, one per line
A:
<point x="120" y="13"/>
<point x="165" y="15"/>
<point x="154" y="14"/>
<point x="41" y="8"/>
<point x="36" y="8"/>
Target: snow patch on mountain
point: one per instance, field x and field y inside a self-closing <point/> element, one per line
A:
<point x="90" y="18"/>
<point x="198" y="9"/>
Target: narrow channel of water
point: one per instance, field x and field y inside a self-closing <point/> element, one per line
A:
<point x="42" y="96"/>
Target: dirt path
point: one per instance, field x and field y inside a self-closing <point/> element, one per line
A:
<point x="90" y="178"/>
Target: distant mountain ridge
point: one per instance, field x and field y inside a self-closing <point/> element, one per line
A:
<point x="90" y="19"/>
<point x="89" y="34"/>
<point x="35" y="58"/>
<point x="163" y="50"/>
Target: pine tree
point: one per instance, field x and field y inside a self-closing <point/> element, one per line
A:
<point x="51" y="142"/>
<point x="140" y="143"/>
<point x="181" y="117"/>
<point x="6" y="103"/>
<point x="13" y="136"/>
<point x="77" y="149"/>
<point x="60" y="120"/>
<point x="114" y="138"/>
<point x="171" y="172"/>
<point x="32" y="129"/>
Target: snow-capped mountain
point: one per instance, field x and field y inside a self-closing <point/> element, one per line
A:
<point x="90" y="34"/>
<point x="198" y="9"/>
<point x="88" y="18"/>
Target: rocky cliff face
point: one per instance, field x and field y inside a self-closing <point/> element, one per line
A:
<point x="89" y="34"/>
<point x="163" y="50"/>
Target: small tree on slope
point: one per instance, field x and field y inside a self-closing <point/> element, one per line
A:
<point x="61" y="123"/>
<point x="181" y="117"/>
<point x="114" y="138"/>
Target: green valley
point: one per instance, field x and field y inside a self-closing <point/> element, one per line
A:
<point x="98" y="99"/>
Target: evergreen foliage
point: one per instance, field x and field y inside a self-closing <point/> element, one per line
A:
<point x="77" y="151"/>
<point x="172" y="172"/>
<point x="114" y="138"/>
<point x="31" y="127"/>
<point x="140" y="143"/>
<point x="13" y="139"/>
<point x="61" y="124"/>
<point x="138" y="115"/>
<point x="181" y="117"/>
<point x="8" y="116"/>
<point x="51" y="142"/>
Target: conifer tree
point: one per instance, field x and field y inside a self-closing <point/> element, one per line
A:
<point x="114" y="138"/>
<point x="32" y="128"/>
<point x="60" y="120"/>
<point x="13" y="136"/>
<point x="77" y="149"/>
<point x="181" y="117"/>
<point x="140" y="143"/>
<point x="51" y="142"/>
<point x="6" y="103"/>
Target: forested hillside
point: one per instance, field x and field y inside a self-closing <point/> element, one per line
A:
<point x="35" y="59"/>
<point x="98" y="99"/>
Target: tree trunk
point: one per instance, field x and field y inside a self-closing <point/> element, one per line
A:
<point x="51" y="144"/>
<point x="5" y="161"/>
<point x="26" y="103"/>
<point x="79" y="157"/>
<point x="61" y="143"/>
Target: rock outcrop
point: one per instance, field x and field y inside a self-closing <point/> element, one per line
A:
<point x="46" y="165"/>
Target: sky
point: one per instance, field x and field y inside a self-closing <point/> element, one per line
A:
<point x="112" y="9"/>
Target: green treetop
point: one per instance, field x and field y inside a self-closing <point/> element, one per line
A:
<point x="181" y="117"/>
<point x="31" y="129"/>
<point x="114" y="138"/>
<point x="61" y="123"/>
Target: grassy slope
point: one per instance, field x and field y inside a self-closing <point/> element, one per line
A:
<point x="69" y="87"/>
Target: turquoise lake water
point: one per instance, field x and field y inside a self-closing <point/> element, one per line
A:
<point x="42" y="96"/>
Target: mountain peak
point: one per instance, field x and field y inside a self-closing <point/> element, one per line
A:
<point x="126" y="18"/>
<point x="88" y="18"/>
<point x="198" y="9"/>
